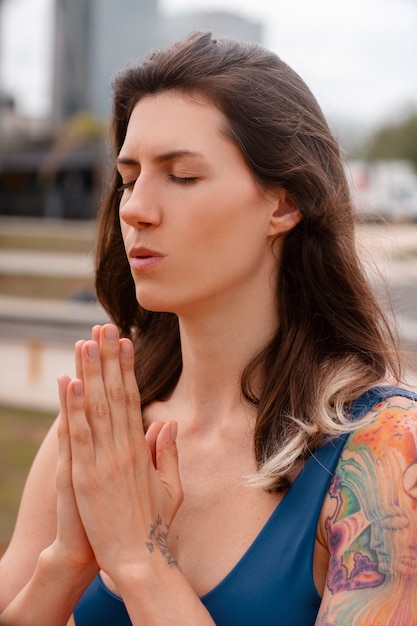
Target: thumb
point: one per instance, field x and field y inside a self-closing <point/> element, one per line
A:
<point x="167" y="463"/>
<point x="64" y="462"/>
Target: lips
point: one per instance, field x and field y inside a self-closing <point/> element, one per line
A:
<point x="142" y="258"/>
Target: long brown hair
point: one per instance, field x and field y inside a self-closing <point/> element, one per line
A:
<point x="333" y="341"/>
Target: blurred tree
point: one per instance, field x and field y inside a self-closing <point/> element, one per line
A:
<point x="395" y="141"/>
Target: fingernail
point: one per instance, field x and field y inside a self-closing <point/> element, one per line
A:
<point x="110" y="333"/>
<point x="92" y="350"/>
<point x="174" y="431"/>
<point x="126" y="348"/>
<point x="77" y="388"/>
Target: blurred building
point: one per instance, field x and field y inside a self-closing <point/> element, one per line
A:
<point x="93" y="40"/>
<point x="55" y="169"/>
<point x="383" y="189"/>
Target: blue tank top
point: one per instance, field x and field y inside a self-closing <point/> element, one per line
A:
<point x="272" y="584"/>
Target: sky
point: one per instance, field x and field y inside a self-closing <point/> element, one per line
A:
<point x="359" y="57"/>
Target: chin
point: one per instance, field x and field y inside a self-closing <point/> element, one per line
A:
<point x="151" y="303"/>
<point x="159" y="300"/>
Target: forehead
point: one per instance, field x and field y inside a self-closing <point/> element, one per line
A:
<point x="173" y="117"/>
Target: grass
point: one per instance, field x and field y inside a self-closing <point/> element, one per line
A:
<point x="21" y="432"/>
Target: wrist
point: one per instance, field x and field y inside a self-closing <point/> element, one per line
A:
<point x="157" y="593"/>
<point x="54" y="561"/>
<point x="49" y="597"/>
<point x="142" y="575"/>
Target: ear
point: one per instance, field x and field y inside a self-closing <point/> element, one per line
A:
<point x="284" y="215"/>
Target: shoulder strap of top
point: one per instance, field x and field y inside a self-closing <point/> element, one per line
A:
<point x="377" y="394"/>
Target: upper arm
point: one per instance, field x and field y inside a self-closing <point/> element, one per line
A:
<point x="371" y="523"/>
<point x="36" y="521"/>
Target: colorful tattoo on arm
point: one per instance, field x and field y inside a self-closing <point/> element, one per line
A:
<point x="372" y="532"/>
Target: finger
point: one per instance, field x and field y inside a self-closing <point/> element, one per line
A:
<point x="63" y="478"/>
<point x="82" y="445"/>
<point x="151" y="437"/>
<point x="95" y="333"/>
<point x="63" y="382"/>
<point x="113" y="382"/>
<point x="97" y="408"/>
<point x="167" y="462"/>
<point x="78" y="359"/>
<point x="132" y="394"/>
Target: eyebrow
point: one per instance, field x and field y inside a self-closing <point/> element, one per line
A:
<point x="162" y="158"/>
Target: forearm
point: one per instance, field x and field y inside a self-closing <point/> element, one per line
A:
<point x="161" y="596"/>
<point x="50" y="596"/>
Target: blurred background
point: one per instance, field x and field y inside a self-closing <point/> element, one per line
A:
<point x="57" y="59"/>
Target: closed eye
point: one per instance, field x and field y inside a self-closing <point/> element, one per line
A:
<point x="183" y="180"/>
<point x="124" y="186"/>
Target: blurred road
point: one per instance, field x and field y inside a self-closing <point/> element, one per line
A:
<point x="37" y="337"/>
<point x="63" y="264"/>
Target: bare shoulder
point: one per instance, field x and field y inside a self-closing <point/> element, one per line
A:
<point x="36" y="522"/>
<point x="370" y="518"/>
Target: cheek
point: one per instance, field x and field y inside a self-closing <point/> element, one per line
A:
<point x="220" y="237"/>
<point x="228" y="248"/>
<point x="125" y="230"/>
<point x="236" y="214"/>
<point x="123" y="227"/>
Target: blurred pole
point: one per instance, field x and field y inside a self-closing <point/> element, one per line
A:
<point x="35" y="358"/>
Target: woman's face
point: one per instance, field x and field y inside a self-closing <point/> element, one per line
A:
<point x="196" y="226"/>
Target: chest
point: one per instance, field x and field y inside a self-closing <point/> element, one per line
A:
<point x="215" y="527"/>
<point x="222" y="517"/>
<point x="242" y="554"/>
<point x="223" y="520"/>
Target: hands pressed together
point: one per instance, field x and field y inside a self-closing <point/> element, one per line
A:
<point x="118" y="489"/>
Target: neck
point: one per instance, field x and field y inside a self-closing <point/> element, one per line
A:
<point x="216" y="347"/>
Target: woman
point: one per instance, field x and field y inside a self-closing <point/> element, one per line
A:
<point x="227" y="261"/>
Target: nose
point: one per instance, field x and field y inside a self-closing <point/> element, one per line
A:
<point x="139" y="205"/>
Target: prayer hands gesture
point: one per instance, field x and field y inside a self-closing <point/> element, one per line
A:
<point x="118" y="490"/>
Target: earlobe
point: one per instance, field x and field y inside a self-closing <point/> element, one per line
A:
<point x="285" y="215"/>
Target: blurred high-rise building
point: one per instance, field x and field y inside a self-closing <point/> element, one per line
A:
<point x="93" y="40"/>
